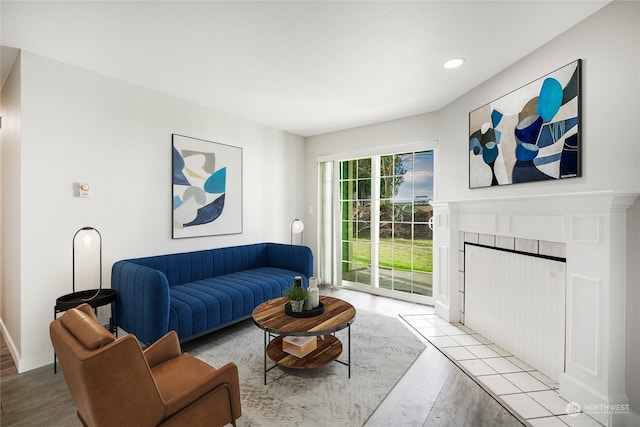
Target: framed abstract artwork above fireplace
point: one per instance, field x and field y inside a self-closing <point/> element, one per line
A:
<point x="531" y="134"/>
<point x="207" y="188"/>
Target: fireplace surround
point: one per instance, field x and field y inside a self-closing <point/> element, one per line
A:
<point x="591" y="228"/>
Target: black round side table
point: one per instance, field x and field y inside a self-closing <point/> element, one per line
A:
<point x="102" y="297"/>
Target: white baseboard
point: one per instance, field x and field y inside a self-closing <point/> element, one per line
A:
<point x="13" y="350"/>
<point x="445" y="312"/>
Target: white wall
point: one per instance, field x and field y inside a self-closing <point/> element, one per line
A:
<point x="79" y="126"/>
<point x="10" y="259"/>
<point x="609" y="44"/>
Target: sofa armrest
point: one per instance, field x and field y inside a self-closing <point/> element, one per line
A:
<point x="164" y="349"/>
<point x="143" y="300"/>
<point x="290" y="257"/>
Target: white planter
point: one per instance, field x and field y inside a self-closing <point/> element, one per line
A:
<point x="296" y="306"/>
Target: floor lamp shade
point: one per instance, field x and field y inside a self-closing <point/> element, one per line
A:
<point x="87" y="259"/>
<point x="296" y="228"/>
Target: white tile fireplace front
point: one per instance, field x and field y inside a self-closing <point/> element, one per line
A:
<point x="589" y="230"/>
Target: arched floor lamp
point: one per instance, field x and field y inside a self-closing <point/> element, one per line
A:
<point x="87" y="239"/>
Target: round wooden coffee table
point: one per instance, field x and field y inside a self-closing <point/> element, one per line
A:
<point x="270" y="316"/>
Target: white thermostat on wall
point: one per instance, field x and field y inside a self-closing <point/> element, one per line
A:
<point x="84" y="190"/>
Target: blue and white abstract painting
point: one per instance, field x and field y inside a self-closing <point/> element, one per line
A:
<point x="207" y="188"/>
<point x="531" y="134"/>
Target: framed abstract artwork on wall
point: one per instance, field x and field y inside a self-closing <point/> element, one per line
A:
<point x="531" y="134"/>
<point x="207" y="188"/>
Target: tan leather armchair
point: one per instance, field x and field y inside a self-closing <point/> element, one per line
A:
<point x="113" y="382"/>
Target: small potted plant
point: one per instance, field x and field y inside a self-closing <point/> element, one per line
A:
<point x="296" y="296"/>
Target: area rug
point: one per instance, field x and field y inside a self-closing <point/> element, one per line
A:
<point x="382" y="349"/>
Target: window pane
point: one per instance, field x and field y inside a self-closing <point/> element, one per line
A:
<point x="402" y="213"/>
<point x="402" y="232"/>
<point x="386" y="231"/>
<point x="348" y="231"/>
<point x="386" y="210"/>
<point x="362" y="213"/>
<point x="421" y="232"/>
<point x="364" y="230"/>
<point x="385" y="254"/>
<point x="363" y="258"/>
<point x="423" y="177"/>
<point x="402" y="257"/>
<point x="386" y="188"/>
<point x="348" y="272"/>
<point x="402" y="280"/>
<point x="422" y="259"/>
<point x="364" y="189"/>
<point x="364" y="168"/>
<point x="422" y="213"/>
<point x="348" y="190"/>
<point x="386" y="166"/>
<point x="422" y="284"/>
<point x="348" y="169"/>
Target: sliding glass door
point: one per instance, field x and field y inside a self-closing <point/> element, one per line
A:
<point x="355" y="214"/>
<point x="385" y="222"/>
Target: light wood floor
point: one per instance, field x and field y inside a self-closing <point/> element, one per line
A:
<point x="433" y="392"/>
<point x="35" y="398"/>
<point x="7" y="367"/>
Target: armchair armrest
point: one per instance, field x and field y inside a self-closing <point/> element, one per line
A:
<point x="189" y="386"/>
<point x="164" y="349"/>
<point x="228" y="374"/>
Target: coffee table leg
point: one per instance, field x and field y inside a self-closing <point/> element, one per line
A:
<point x="266" y="339"/>
<point x="349" y="349"/>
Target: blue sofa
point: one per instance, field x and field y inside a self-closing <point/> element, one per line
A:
<point x="194" y="293"/>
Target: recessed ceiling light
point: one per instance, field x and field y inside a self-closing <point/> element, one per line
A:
<point x="454" y="63"/>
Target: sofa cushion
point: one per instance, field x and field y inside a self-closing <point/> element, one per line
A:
<point x="199" y="306"/>
<point x="192" y="266"/>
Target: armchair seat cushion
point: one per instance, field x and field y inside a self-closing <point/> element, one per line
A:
<point x="182" y="380"/>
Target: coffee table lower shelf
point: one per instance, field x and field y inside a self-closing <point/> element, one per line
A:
<point x="328" y="350"/>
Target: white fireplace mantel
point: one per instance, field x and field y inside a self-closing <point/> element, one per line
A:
<point x="593" y="227"/>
